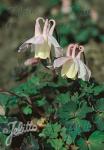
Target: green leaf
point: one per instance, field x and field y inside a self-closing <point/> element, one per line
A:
<point x="67" y="111"/>
<point x="51" y="130"/>
<point x="41" y="102"/>
<point x="4" y="99"/>
<point x="86" y="89"/>
<point x="82" y="144"/>
<point x="12" y="102"/>
<point x="100" y="104"/>
<point x="75" y="97"/>
<point x="27" y="110"/>
<point x="34" y="80"/>
<point x="66" y="136"/>
<point x="3" y="119"/>
<point x="25" y="88"/>
<point x="95" y="142"/>
<point x="83" y="110"/>
<point x="63" y="98"/>
<point x="71" y="110"/>
<point x="77" y="126"/>
<point x="98" y="89"/>
<point x="57" y="144"/>
<point x="29" y="88"/>
<point x="62" y="82"/>
<point x="99" y="121"/>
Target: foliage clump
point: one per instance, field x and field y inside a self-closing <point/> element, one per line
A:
<point x="68" y="114"/>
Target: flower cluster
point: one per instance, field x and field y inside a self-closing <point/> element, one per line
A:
<point x="43" y="43"/>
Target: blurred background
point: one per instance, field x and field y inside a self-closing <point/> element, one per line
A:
<point x="78" y="21"/>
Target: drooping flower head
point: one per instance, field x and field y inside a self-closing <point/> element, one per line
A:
<point x="72" y="65"/>
<point x="43" y="40"/>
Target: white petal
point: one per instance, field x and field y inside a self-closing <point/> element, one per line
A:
<point x="69" y="69"/>
<point x="88" y="74"/>
<point x="60" y="61"/>
<point x="53" y="41"/>
<point x="57" y="48"/>
<point x="33" y="40"/>
<point x="83" y="72"/>
<point x="58" y="52"/>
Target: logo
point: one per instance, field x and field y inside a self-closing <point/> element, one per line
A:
<point x="18" y="128"/>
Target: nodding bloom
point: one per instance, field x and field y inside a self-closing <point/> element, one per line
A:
<point x="72" y="65"/>
<point x="43" y="40"/>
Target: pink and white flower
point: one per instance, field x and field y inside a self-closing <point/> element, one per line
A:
<point x="43" y="40"/>
<point x="72" y="65"/>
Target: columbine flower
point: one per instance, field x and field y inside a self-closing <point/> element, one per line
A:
<point x="72" y="64"/>
<point x="42" y="41"/>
